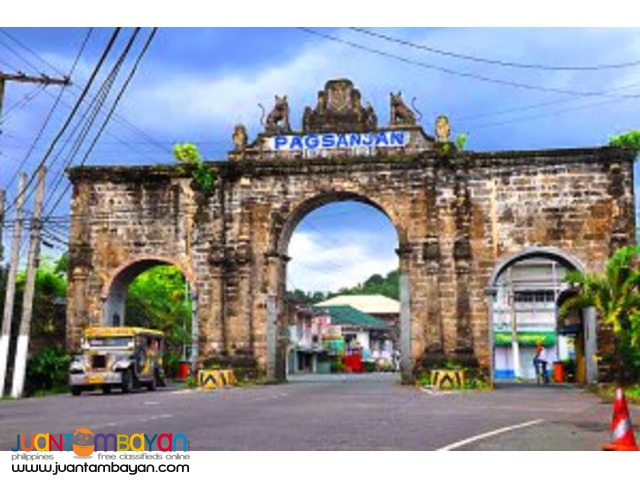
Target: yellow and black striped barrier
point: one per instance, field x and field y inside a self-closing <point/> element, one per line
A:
<point x="447" y="379"/>
<point x="214" y="379"/>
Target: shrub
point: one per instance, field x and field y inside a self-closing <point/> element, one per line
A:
<point x="47" y="370"/>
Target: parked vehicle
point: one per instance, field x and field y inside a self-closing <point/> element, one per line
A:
<point x="118" y="357"/>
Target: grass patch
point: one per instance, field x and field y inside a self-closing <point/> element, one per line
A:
<point x="607" y="391"/>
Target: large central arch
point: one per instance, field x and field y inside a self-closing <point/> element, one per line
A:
<point x="276" y="310"/>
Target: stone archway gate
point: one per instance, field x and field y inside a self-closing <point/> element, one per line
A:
<point x="457" y="215"/>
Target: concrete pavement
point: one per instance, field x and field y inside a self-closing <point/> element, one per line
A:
<point x="337" y="412"/>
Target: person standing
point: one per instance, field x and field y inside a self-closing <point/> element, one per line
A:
<point x="540" y="362"/>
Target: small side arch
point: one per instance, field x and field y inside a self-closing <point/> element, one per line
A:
<point x="114" y="291"/>
<point x="570" y="262"/>
<point x="551" y="253"/>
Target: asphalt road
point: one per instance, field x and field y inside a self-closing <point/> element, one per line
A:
<point x="337" y="412"/>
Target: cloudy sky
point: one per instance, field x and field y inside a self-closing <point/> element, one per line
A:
<point x="505" y="88"/>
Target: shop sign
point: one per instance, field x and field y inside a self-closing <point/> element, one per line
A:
<point x="526" y="339"/>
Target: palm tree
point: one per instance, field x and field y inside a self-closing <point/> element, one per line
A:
<point x="615" y="295"/>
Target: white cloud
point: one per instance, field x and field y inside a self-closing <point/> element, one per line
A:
<point x="322" y="264"/>
<point x="192" y="103"/>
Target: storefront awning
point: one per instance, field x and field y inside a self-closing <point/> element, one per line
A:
<point x="526" y="339"/>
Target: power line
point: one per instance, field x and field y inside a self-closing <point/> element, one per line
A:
<point x="20" y="104"/>
<point x="113" y="107"/>
<point x="92" y="112"/>
<point x="20" y="57"/>
<point x="491" y="61"/>
<point x="51" y="110"/>
<point x="86" y="89"/>
<point x="537" y="105"/>
<point x="458" y="73"/>
<point x="118" y="118"/>
<point x="546" y="114"/>
<point x="10" y="65"/>
<point x="22" y="45"/>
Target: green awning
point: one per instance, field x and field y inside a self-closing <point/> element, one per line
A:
<point x="526" y="339"/>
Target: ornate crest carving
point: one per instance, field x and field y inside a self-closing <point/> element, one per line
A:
<point x="339" y="109"/>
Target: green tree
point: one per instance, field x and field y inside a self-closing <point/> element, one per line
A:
<point x="159" y="299"/>
<point x="48" y="321"/>
<point x="614" y="294"/>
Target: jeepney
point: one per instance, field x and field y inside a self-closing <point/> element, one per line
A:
<point x="118" y="357"/>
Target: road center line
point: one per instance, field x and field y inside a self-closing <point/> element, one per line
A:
<point x="492" y="433"/>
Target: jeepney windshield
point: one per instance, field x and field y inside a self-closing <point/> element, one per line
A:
<point x="119" y="342"/>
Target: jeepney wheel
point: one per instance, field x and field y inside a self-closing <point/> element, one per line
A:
<point x="106" y="389"/>
<point x="127" y="381"/>
<point x="151" y="386"/>
<point x="76" y="391"/>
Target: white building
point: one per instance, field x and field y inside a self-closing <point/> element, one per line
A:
<point x="527" y="300"/>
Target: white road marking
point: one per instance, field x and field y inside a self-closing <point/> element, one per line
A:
<point x="152" y="403"/>
<point x="438" y="393"/>
<point x="183" y="392"/>
<point x="492" y="433"/>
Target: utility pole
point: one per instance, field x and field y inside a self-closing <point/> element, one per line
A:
<point x="22" y="349"/>
<point x="24" y="78"/>
<point x="2" y="197"/>
<point x="515" y="347"/>
<point x="16" y="240"/>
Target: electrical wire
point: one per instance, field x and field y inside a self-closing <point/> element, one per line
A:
<point x="51" y="111"/>
<point x="463" y="74"/>
<point x="91" y="112"/>
<point x="544" y="115"/>
<point x="20" y="104"/>
<point x="111" y="111"/>
<point x="118" y="118"/>
<point x="492" y="61"/>
<point x="70" y="117"/>
<point x="20" y="57"/>
<point x="22" y="45"/>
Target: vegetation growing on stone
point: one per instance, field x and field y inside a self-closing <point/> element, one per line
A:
<point x="187" y="154"/>
<point x="461" y="141"/>
<point x="627" y="140"/>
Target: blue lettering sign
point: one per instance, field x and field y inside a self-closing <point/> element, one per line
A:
<point x="296" y="143"/>
<point x="328" y="140"/>
<point x="355" y="140"/>
<point x="314" y="141"/>
<point x="311" y="142"/>
<point x="397" y="138"/>
<point x="280" y="141"/>
<point x="381" y="139"/>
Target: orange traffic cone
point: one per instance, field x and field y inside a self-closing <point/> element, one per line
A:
<point x="622" y="437"/>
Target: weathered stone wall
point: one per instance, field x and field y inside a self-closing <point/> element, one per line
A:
<point x="457" y="216"/>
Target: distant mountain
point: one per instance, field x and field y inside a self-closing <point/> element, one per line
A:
<point x="375" y="284"/>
